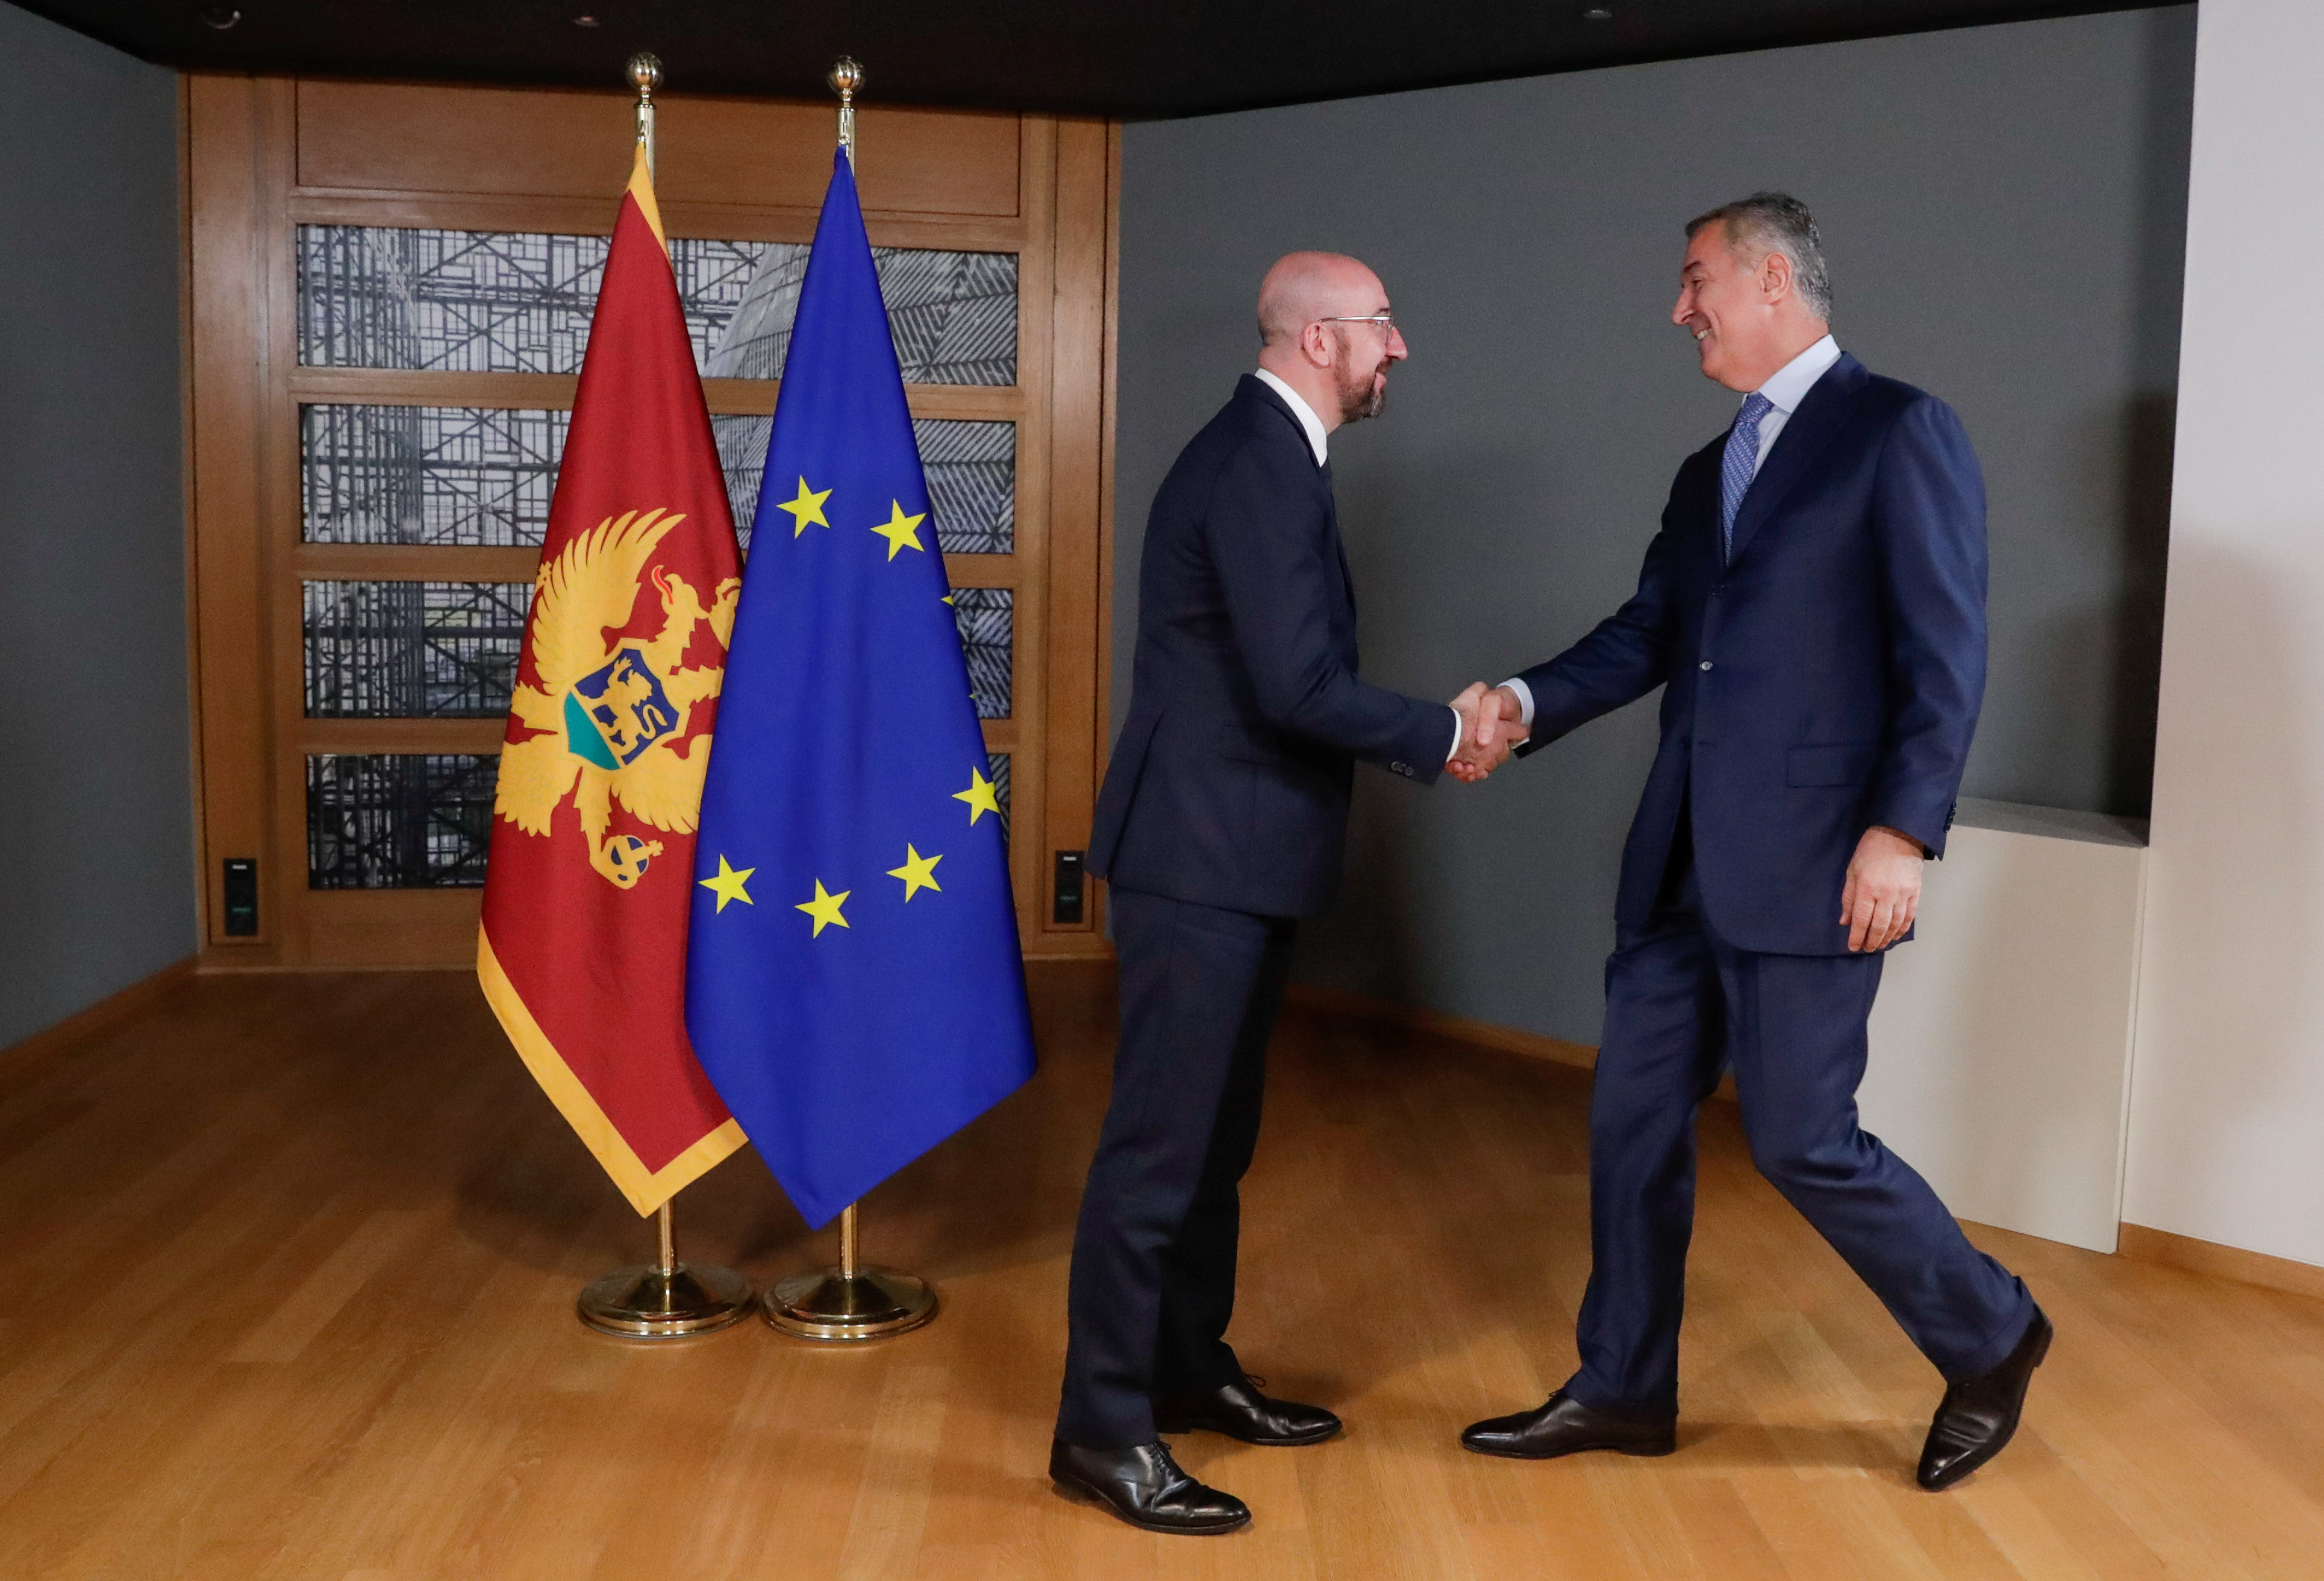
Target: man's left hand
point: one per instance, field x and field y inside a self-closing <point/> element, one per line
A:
<point x="1883" y="892"/>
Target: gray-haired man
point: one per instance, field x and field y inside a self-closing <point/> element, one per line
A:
<point x="1813" y="611"/>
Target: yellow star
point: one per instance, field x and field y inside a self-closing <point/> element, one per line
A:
<point x="807" y="508"/>
<point x="919" y="871"/>
<point x="899" y="530"/>
<point x="946" y="599"/>
<point x="979" y="795"/>
<point x="824" y="909"/>
<point x="728" y="884"/>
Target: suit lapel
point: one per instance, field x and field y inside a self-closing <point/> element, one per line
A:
<point x="1701" y="501"/>
<point x="1259" y="390"/>
<point x="1339" y="544"/>
<point x="1830" y="402"/>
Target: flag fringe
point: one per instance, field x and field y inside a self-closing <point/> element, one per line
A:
<point x="647" y="1190"/>
<point x="641" y="192"/>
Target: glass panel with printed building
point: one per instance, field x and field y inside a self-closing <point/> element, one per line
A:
<point x="404" y="820"/>
<point x="501" y="302"/>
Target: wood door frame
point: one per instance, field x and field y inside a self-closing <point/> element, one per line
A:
<point x="247" y="558"/>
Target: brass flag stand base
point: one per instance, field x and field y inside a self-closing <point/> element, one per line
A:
<point x="849" y="1302"/>
<point x="665" y="1300"/>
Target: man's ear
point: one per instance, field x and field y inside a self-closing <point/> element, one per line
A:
<point x="1774" y="276"/>
<point x="1315" y="340"/>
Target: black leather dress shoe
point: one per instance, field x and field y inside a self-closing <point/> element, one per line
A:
<point x="1145" y="1487"/>
<point x="1979" y="1414"/>
<point x="1564" y="1425"/>
<point x="1240" y="1411"/>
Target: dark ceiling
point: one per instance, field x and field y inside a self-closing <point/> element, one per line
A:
<point x="1091" y="56"/>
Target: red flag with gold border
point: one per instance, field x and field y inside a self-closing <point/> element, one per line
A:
<point x="583" y="948"/>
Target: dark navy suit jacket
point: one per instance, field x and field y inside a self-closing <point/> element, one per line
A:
<point x="1230" y="783"/>
<point x="1825" y="678"/>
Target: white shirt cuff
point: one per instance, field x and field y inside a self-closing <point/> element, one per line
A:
<point x="1524" y="700"/>
<point x="1454" y="750"/>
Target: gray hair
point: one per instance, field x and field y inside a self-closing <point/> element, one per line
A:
<point x="1777" y="222"/>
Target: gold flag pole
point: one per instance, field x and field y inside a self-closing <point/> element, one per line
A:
<point x="644" y="71"/>
<point x="851" y="1301"/>
<point x="846" y="77"/>
<point x="665" y="1299"/>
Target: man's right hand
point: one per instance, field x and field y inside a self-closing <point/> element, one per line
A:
<point x="1495" y="722"/>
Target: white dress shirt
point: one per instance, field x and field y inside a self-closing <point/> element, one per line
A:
<point x="1789" y="387"/>
<point x="1304" y="412"/>
<point x="1316" y="438"/>
<point x="1784" y="390"/>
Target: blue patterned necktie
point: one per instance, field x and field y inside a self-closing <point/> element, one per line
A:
<point x="1734" y="470"/>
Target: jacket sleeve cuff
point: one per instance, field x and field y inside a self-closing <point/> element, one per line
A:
<point x="1418" y="753"/>
<point x="1925" y="824"/>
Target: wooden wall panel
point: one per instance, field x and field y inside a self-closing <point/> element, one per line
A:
<point x="519" y="391"/>
<point x="1036" y="378"/>
<point x="237" y="177"/>
<point x="392" y="928"/>
<point x="1101" y="741"/>
<point x="546" y="142"/>
<point x="390" y="137"/>
<point x="1077" y="425"/>
<point x="265" y="155"/>
<point x="907" y="161"/>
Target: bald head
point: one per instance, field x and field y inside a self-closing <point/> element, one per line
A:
<point x="1324" y="329"/>
<point x="1304" y="287"/>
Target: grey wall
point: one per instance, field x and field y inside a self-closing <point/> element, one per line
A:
<point x="2004" y="212"/>
<point x="95" y="787"/>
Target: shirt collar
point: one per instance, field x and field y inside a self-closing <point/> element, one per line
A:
<point x="1790" y="383"/>
<point x="1306" y="413"/>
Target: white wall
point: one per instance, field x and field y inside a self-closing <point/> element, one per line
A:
<point x="2227" y="1095"/>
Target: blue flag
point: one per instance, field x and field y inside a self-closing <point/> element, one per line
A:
<point x="853" y="986"/>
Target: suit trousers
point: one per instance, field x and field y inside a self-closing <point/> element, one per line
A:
<point x="1153" y="1277"/>
<point x="1682" y="1005"/>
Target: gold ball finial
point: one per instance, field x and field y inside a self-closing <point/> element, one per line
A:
<point x="846" y="77"/>
<point x="645" y="71"/>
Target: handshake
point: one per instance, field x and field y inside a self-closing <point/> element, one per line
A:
<point x="1491" y="723"/>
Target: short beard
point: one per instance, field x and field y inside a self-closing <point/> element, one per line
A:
<point x="1359" y="398"/>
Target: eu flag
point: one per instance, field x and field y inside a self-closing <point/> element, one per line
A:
<point x="854" y="987"/>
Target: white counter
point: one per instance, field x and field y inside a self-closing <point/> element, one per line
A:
<point x="2001" y="1038"/>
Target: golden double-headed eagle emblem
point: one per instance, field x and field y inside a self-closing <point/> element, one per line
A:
<point x="610" y="715"/>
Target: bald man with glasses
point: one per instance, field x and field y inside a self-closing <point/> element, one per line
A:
<point x="1223" y="821"/>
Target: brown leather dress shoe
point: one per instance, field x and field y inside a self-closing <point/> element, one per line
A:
<point x="1979" y="1414"/>
<point x="1144" y="1486"/>
<point x="1240" y="1411"/>
<point x="1564" y="1425"/>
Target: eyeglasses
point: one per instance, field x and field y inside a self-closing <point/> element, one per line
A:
<point x="1386" y="321"/>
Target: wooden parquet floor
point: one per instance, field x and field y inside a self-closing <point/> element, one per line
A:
<point x="288" y="1268"/>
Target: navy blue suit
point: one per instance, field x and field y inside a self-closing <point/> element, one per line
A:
<point x="1222" y="820"/>
<point x="1229" y="781"/>
<point x="1822" y="677"/>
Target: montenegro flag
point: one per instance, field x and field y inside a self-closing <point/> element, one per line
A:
<point x="583" y="948"/>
